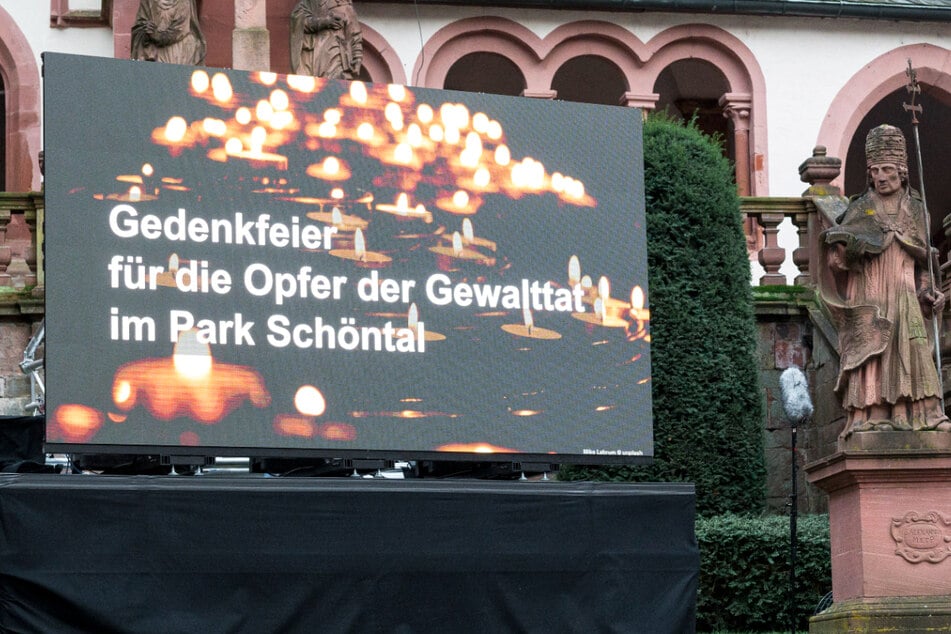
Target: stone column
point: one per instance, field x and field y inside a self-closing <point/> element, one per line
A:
<point x="647" y="103"/>
<point x="736" y="108"/>
<point x="251" y="42"/>
<point x="6" y="253"/>
<point x="123" y="17"/>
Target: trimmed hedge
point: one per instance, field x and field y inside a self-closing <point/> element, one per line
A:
<point x="708" y="414"/>
<point x="744" y="572"/>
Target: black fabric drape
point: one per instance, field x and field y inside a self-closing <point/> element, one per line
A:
<point x="216" y="554"/>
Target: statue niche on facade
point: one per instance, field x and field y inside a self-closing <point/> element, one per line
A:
<point x="168" y="31"/>
<point x="879" y="291"/>
<point x="326" y="40"/>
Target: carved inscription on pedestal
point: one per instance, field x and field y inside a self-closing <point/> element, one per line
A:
<point x="922" y="536"/>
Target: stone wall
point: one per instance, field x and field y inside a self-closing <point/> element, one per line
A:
<point x="788" y="337"/>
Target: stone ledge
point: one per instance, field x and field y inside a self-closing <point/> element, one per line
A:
<point x="897" y="441"/>
<point x="887" y="614"/>
<point x="21" y="304"/>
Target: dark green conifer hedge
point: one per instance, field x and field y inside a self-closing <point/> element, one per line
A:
<point x="745" y="584"/>
<point x="707" y="409"/>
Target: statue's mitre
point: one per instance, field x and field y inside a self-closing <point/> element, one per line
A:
<point x="886" y="144"/>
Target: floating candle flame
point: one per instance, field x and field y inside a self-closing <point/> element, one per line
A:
<point x="469" y="237"/>
<point x="638" y="312"/>
<point x="502" y="155"/>
<point x="360" y="254"/>
<point x="221" y="88"/>
<point x="366" y="133"/>
<point x="192" y="358"/>
<point x="529" y="329"/>
<point x="425" y="113"/>
<point x="264" y="111"/>
<point x="457" y="250"/>
<point x="242" y="115"/>
<point x="330" y="169"/>
<point x="412" y="322"/>
<point x="279" y="100"/>
<point x="397" y="92"/>
<point x="309" y="401"/>
<point x="358" y="92"/>
<point x="478" y="447"/>
<point x="607" y="310"/>
<point x="460" y="202"/>
<point x="403" y="209"/>
<point x="187" y="384"/>
<point x="200" y="81"/>
<point x="574" y="271"/>
<point x="604" y="288"/>
<point x="75" y="422"/>
<point x="175" y="129"/>
<point x="480" y="122"/>
<point x="482" y="178"/>
<point x="394" y="116"/>
<point x="414" y="135"/>
<point x="302" y="83"/>
<point x="343" y="222"/>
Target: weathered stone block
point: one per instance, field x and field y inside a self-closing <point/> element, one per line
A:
<point x="252" y="49"/>
<point x="14" y="386"/>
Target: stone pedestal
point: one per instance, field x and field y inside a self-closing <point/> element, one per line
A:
<point x="890" y="532"/>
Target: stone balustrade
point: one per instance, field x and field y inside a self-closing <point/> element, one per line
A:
<point x="21" y="239"/>
<point x="762" y="218"/>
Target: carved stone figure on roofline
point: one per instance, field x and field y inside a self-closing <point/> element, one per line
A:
<point x="168" y="31"/>
<point x="878" y="290"/>
<point x="326" y="39"/>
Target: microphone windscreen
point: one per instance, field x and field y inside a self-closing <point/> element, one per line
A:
<point x="795" y="391"/>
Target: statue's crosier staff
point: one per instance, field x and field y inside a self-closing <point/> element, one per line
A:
<point x="914" y="90"/>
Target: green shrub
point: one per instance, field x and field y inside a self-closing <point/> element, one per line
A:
<point x="708" y="415"/>
<point x="744" y="572"/>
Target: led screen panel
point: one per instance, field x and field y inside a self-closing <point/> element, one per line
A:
<point x="293" y="266"/>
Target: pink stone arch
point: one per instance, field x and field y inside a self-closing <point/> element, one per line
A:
<point x="540" y="58"/>
<point x="379" y="58"/>
<point x="747" y="84"/>
<point x="21" y="78"/>
<point x="878" y="79"/>
<point x="479" y="35"/>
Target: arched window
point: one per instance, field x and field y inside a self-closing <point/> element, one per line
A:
<point x="692" y="88"/>
<point x="590" y="79"/>
<point x="873" y="96"/>
<point x="485" y="72"/>
<point x="20" y="117"/>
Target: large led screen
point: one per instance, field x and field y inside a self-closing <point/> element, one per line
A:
<point x="285" y="265"/>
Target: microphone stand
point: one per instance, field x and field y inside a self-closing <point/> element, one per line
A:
<point x="793" y="516"/>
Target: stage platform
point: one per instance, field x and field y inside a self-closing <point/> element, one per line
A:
<point x="88" y="553"/>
